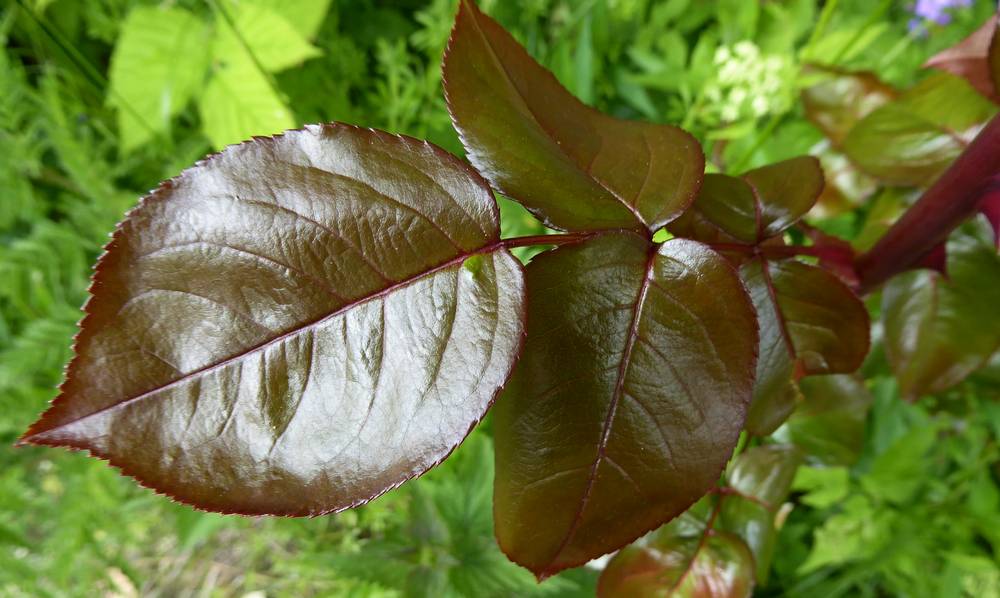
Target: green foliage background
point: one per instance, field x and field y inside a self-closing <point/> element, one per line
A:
<point x="101" y="99"/>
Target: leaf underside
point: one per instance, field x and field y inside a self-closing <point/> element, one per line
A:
<point x="628" y="399"/>
<point x="295" y="325"/>
<point x="573" y="167"/>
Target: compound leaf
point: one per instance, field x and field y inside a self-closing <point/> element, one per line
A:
<point x="628" y="399"/>
<point x="570" y="165"/>
<point x="295" y="325"/>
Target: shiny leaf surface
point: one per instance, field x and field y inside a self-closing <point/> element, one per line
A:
<point x="939" y="330"/>
<point x="763" y="202"/>
<point x="295" y="325"/>
<point x="810" y="323"/>
<point x="628" y="399"/>
<point x="829" y="424"/>
<point x="572" y="166"/>
<point x="669" y="566"/>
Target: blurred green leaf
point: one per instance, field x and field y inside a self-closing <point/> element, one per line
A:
<point x="158" y="65"/>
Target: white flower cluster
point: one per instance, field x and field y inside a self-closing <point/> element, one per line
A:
<point x="748" y="84"/>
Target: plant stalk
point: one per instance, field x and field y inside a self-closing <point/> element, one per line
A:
<point x="954" y="198"/>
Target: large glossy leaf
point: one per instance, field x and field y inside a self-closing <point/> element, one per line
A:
<point x="939" y="330"/>
<point x="810" y="323"/>
<point x="758" y="482"/>
<point x="829" y="424"/>
<point x="628" y="399"/>
<point x="761" y="203"/>
<point x="295" y="325"/>
<point x="570" y="165"/>
<point x="911" y="140"/>
<point x="717" y="565"/>
<point x="976" y="59"/>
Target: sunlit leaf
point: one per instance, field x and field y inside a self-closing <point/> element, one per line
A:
<point x="158" y="64"/>
<point x="275" y="44"/>
<point x="295" y="325"/>
<point x="939" y="330"/>
<point x="810" y="323"/>
<point x="572" y="166"/>
<point x="628" y="399"/>
<point x="306" y="16"/>
<point x="911" y="140"/>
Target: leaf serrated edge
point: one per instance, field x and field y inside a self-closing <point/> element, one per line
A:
<point x="156" y="194"/>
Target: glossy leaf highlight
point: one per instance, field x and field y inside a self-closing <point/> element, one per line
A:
<point x="294" y="325"/>
<point x="573" y="167"/>
<point x="628" y="399"/>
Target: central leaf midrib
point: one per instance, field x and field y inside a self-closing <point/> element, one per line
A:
<point x="196" y="374"/>
<point x="630" y="341"/>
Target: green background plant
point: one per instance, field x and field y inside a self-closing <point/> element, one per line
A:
<point x="103" y="98"/>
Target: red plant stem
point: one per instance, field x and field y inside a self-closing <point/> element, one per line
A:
<point x="955" y="197"/>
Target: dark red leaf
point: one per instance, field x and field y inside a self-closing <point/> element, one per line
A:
<point x="575" y="168"/>
<point x="974" y="59"/>
<point x="628" y="399"/>
<point x="758" y="205"/>
<point x="295" y="325"/>
<point x="810" y="323"/>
